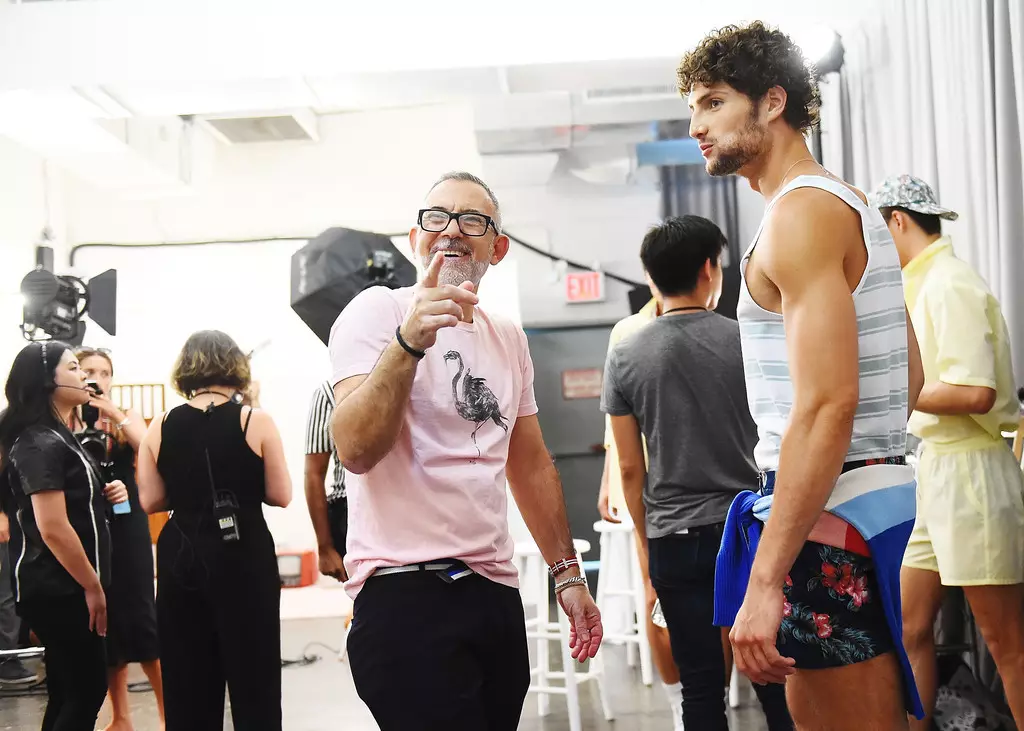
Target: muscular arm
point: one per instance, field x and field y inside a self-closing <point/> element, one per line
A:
<point x="537" y="490"/>
<point x="633" y="468"/>
<point x="370" y="409"/>
<point x="821" y="339"/>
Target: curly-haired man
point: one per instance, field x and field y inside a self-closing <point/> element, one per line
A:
<point x="832" y="372"/>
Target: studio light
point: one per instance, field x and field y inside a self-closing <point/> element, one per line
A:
<point x="821" y="46"/>
<point x="54" y="305"/>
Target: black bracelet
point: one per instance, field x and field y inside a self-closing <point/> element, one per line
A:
<point x="408" y="348"/>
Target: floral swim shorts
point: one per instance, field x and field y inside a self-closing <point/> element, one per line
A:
<point x="833" y="614"/>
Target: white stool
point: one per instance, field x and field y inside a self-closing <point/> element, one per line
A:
<point x="535" y="581"/>
<point x="618" y="547"/>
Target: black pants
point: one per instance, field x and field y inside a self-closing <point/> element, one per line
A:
<point x="76" y="661"/>
<point x="682" y="571"/>
<point x="219" y="620"/>
<point x="427" y="655"/>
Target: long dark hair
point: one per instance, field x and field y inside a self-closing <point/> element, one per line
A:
<point x="29" y="388"/>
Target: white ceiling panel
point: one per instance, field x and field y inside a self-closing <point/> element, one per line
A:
<point x="406" y="88"/>
<point x="580" y="77"/>
<point x="163" y="98"/>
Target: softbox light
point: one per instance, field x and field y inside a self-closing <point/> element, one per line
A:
<point x="336" y="266"/>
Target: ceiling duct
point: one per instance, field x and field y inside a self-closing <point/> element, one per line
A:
<point x="293" y="126"/>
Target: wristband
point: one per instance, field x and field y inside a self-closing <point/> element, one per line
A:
<point x="125" y="422"/>
<point x="562" y="565"/>
<point x="571" y="581"/>
<point x="418" y="354"/>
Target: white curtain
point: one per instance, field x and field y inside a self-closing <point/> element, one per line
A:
<point x="935" y="88"/>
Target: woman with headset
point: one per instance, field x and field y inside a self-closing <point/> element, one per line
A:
<point x="215" y="462"/>
<point x="58" y="504"/>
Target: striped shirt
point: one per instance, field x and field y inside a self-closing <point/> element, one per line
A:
<point x="318" y="435"/>
<point x="879" y="426"/>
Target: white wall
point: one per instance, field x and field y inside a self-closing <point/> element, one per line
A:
<point x="27" y="193"/>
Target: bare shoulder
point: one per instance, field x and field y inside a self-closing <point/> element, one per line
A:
<point x="808" y="230"/>
<point x="260" y="420"/>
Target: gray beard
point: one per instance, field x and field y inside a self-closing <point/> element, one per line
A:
<point x="460" y="270"/>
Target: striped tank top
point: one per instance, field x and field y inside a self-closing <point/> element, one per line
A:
<point x="879" y="426"/>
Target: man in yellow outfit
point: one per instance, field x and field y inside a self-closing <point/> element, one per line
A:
<point x="969" y="530"/>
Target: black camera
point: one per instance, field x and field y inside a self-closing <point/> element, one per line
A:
<point x="96" y="442"/>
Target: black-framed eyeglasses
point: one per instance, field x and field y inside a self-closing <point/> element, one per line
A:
<point x="435" y="220"/>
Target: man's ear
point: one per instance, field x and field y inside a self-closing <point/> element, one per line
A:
<point x="775" y="100"/>
<point x="501" y="247"/>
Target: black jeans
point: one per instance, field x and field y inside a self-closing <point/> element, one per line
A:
<point x="76" y="661"/>
<point x="682" y="571"/>
<point x="427" y="655"/>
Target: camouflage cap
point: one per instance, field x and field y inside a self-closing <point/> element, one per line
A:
<point x="906" y="191"/>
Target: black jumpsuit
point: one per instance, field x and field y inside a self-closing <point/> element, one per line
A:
<point x="218" y="602"/>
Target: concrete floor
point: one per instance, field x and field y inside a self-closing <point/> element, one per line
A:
<point x="321" y="697"/>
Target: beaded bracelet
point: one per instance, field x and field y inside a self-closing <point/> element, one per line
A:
<point x="571" y="581"/>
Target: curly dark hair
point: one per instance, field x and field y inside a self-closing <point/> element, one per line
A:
<point x="752" y="59"/>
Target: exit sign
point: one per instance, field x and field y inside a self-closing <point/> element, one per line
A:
<point x="584" y="287"/>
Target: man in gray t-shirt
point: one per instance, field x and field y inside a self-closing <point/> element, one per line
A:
<point x="679" y="384"/>
<point x="681" y="379"/>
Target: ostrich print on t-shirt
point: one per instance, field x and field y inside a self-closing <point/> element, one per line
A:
<point x="477" y="403"/>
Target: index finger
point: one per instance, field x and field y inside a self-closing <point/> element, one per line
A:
<point x="433" y="270"/>
<point x="458" y="294"/>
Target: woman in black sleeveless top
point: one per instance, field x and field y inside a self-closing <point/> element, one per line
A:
<point x="214" y="463"/>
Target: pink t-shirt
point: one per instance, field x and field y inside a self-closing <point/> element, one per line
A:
<point x="440" y="491"/>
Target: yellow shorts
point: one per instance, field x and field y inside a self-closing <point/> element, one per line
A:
<point x="970" y="516"/>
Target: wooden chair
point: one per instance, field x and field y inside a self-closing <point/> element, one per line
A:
<point x="148" y="400"/>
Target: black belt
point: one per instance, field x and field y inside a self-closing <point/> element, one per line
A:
<point x="696" y="530"/>
<point x="766" y="480"/>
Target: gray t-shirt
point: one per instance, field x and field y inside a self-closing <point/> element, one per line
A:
<point x="682" y="378"/>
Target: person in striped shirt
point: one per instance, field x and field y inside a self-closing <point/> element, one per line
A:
<point x="328" y="511"/>
<point x="832" y="370"/>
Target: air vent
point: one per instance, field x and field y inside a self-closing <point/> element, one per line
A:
<point x="284" y="127"/>
<point x="631" y="94"/>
